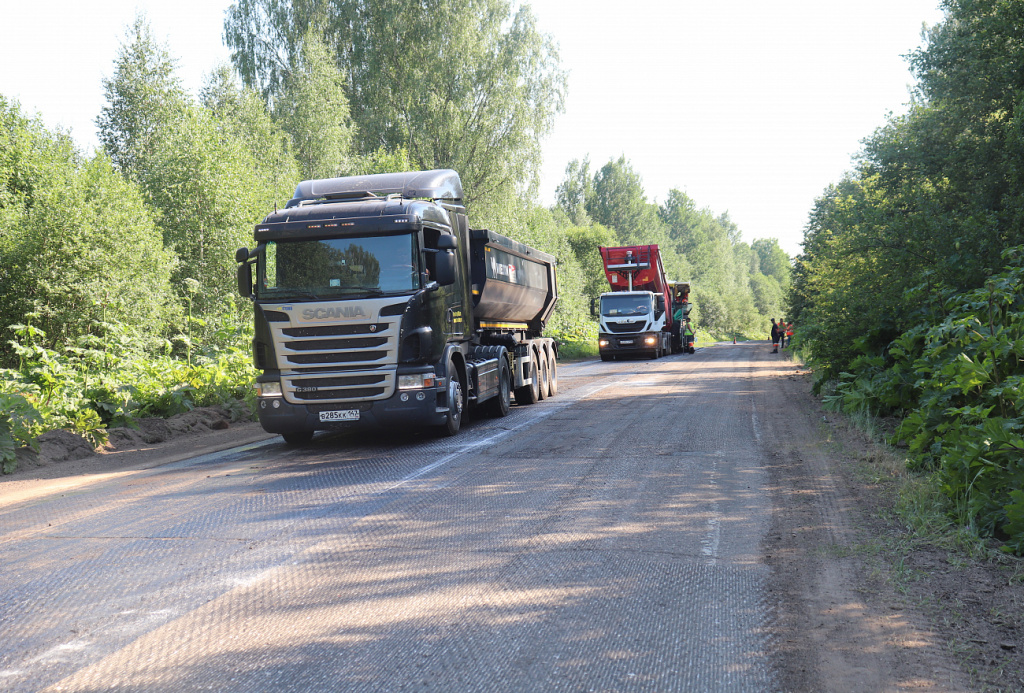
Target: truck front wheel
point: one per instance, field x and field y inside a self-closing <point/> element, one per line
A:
<point x="456" y="401"/>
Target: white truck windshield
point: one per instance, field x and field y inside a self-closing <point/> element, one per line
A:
<point x="625" y="304"/>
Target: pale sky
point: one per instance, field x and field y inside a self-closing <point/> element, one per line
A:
<point x="751" y="108"/>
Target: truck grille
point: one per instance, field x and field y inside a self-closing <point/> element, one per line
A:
<point x="336" y="357"/>
<point x="621" y="328"/>
<point x="334" y="330"/>
<point x="337" y="363"/>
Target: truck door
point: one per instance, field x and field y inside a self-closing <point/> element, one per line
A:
<point x="448" y="309"/>
<point x="462" y="300"/>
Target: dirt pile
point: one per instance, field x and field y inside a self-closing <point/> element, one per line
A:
<point x="64" y="452"/>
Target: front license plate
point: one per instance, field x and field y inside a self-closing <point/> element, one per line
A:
<point x="341" y="415"/>
<point x="625" y="341"/>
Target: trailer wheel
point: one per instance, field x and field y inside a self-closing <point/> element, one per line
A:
<point x="503" y="400"/>
<point x="529" y="394"/>
<point x="297" y="438"/>
<point x="552" y="375"/>
<point x="456" y="401"/>
<point x="544" y="373"/>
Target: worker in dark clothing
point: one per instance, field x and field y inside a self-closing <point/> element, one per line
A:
<point x="775" y="337"/>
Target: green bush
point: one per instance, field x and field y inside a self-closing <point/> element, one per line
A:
<point x="960" y="384"/>
<point x="103" y="382"/>
<point x="576" y="341"/>
<point x="19" y="426"/>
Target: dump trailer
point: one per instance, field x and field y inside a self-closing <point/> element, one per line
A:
<point x="635" y="318"/>
<point x="377" y="306"/>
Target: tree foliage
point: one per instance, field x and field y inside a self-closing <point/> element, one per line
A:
<point x="903" y="291"/>
<point x="209" y="172"/>
<point x="141" y="97"/>
<point x="77" y="243"/>
<point x="313" y="109"/>
<point x="462" y="84"/>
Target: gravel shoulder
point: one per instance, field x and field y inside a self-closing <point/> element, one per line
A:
<point x="862" y="598"/>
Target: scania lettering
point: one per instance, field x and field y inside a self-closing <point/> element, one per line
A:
<point x="376" y="305"/>
<point x="329" y="313"/>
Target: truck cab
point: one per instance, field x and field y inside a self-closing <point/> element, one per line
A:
<point x="632" y="323"/>
<point x="372" y="309"/>
<point x="635" y="317"/>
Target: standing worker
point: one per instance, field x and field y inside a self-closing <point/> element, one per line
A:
<point x="775" y="337"/>
<point x="789" y="333"/>
<point x="688" y="338"/>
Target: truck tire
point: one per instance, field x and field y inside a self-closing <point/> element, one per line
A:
<point x="297" y="438"/>
<point x="552" y="375"/>
<point x="456" y="401"/>
<point x="545" y="376"/>
<point x="502" y="402"/>
<point x="529" y="394"/>
<point x="606" y="357"/>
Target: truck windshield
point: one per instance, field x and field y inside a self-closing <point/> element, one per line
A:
<point x="335" y="267"/>
<point x="615" y="306"/>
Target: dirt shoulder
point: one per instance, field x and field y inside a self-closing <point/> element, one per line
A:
<point x="862" y="599"/>
<point x="66" y="461"/>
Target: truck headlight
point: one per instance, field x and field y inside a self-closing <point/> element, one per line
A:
<point x="416" y="381"/>
<point x="272" y="389"/>
<point x="650" y="341"/>
<point x="602" y="342"/>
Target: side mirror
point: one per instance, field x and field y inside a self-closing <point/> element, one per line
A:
<point x="445" y="268"/>
<point x="242" y="255"/>
<point x="446" y="242"/>
<point x="593" y="307"/>
<point x="245" y="279"/>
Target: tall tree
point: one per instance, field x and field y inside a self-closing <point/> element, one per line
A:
<point x="772" y="260"/>
<point x="313" y="109"/>
<point x="576" y="190"/>
<point x="243" y="114"/>
<point x="466" y="84"/>
<point x="619" y="202"/>
<point x="143" y="93"/>
<point x="209" y="179"/>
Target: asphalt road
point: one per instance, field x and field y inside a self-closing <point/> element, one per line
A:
<point x="606" y="539"/>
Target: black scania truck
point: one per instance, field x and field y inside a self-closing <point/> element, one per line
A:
<point x="377" y="305"/>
